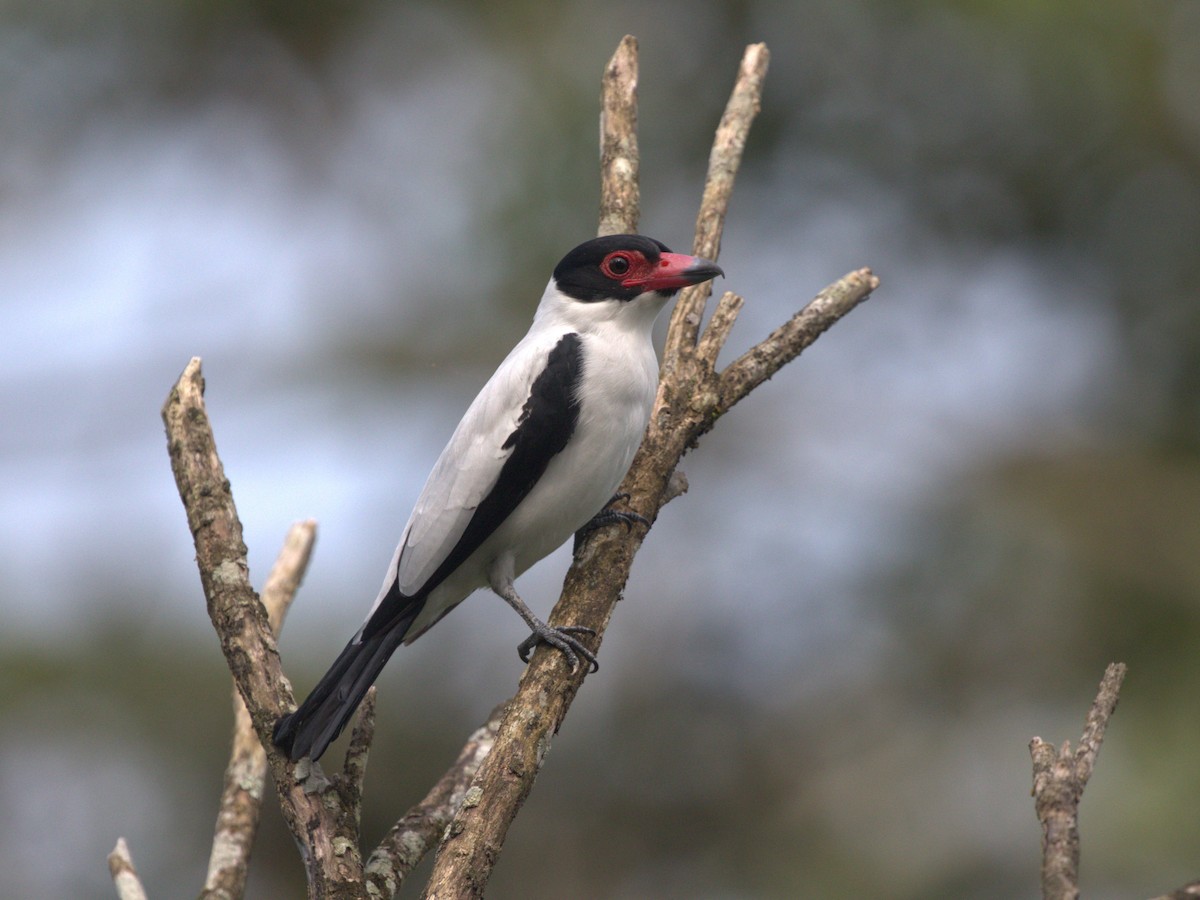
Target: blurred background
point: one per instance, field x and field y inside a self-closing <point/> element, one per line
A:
<point x="903" y="557"/>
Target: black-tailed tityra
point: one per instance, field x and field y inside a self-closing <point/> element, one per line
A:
<point x="539" y="452"/>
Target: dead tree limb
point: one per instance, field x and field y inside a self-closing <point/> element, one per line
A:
<point x="124" y="875"/>
<point x="620" y="197"/>
<point x="1059" y="777"/>
<point x="246" y="774"/>
<point x="723" y="162"/>
<point x="419" y="830"/>
<point x="692" y="394"/>
<point x="325" y="832"/>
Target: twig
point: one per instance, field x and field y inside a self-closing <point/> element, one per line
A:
<point x="354" y="768"/>
<point x="288" y="572"/>
<point x="688" y="403"/>
<point x="619" y="192"/>
<point x="324" y="832"/>
<point x="1059" y="777"/>
<point x="787" y="341"/>
<point x="406" y="844"/>
<point x="723" y="162"/>
<point x="717" y="332"/>
<point x="246" y="773"/>
<point x="124" y="875"/>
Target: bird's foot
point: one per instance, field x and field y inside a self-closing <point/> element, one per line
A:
<point x="562" y="638"/>
<point x="610" y="516"/>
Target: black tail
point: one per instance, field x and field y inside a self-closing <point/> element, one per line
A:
<point x="320" y="719"/>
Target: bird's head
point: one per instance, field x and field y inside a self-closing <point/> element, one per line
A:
<point x="625" y="267"/>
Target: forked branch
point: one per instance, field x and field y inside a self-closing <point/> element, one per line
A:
<point x="326" y="833"/>
<point x="1059" y="778"/>
<point x="691" y="396"/>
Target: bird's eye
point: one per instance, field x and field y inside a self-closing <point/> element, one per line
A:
<point x="615" y="265"/>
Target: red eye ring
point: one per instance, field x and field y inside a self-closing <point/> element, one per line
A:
<point x="617" y="265"/>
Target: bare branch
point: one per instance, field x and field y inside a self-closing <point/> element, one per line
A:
<point x="719" y="326"/>
<point x="124" y="875"/>
<point x="324" y="831"/>
<point x="619" y="193"/>
<point x="787" y="341"/>
<point x="287" y="573"/>
<point x="687" y="404"/>
<point x="723" y="163"/>
<point x="238" y="616"/>
<point x="1102" y="709"/>
<point x="1059" y="777"/>
<point x="354" y="768"/>
<point x="246" y="773"/>
<point x="406" y="844"/>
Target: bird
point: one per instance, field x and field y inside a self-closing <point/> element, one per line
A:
<point x="536" y="457"/>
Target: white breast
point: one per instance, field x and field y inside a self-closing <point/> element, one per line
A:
<point x="615" y="395"/>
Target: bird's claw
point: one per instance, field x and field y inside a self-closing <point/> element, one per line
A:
<point x="610" y="516"/>
<point x="561" y="638"/>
